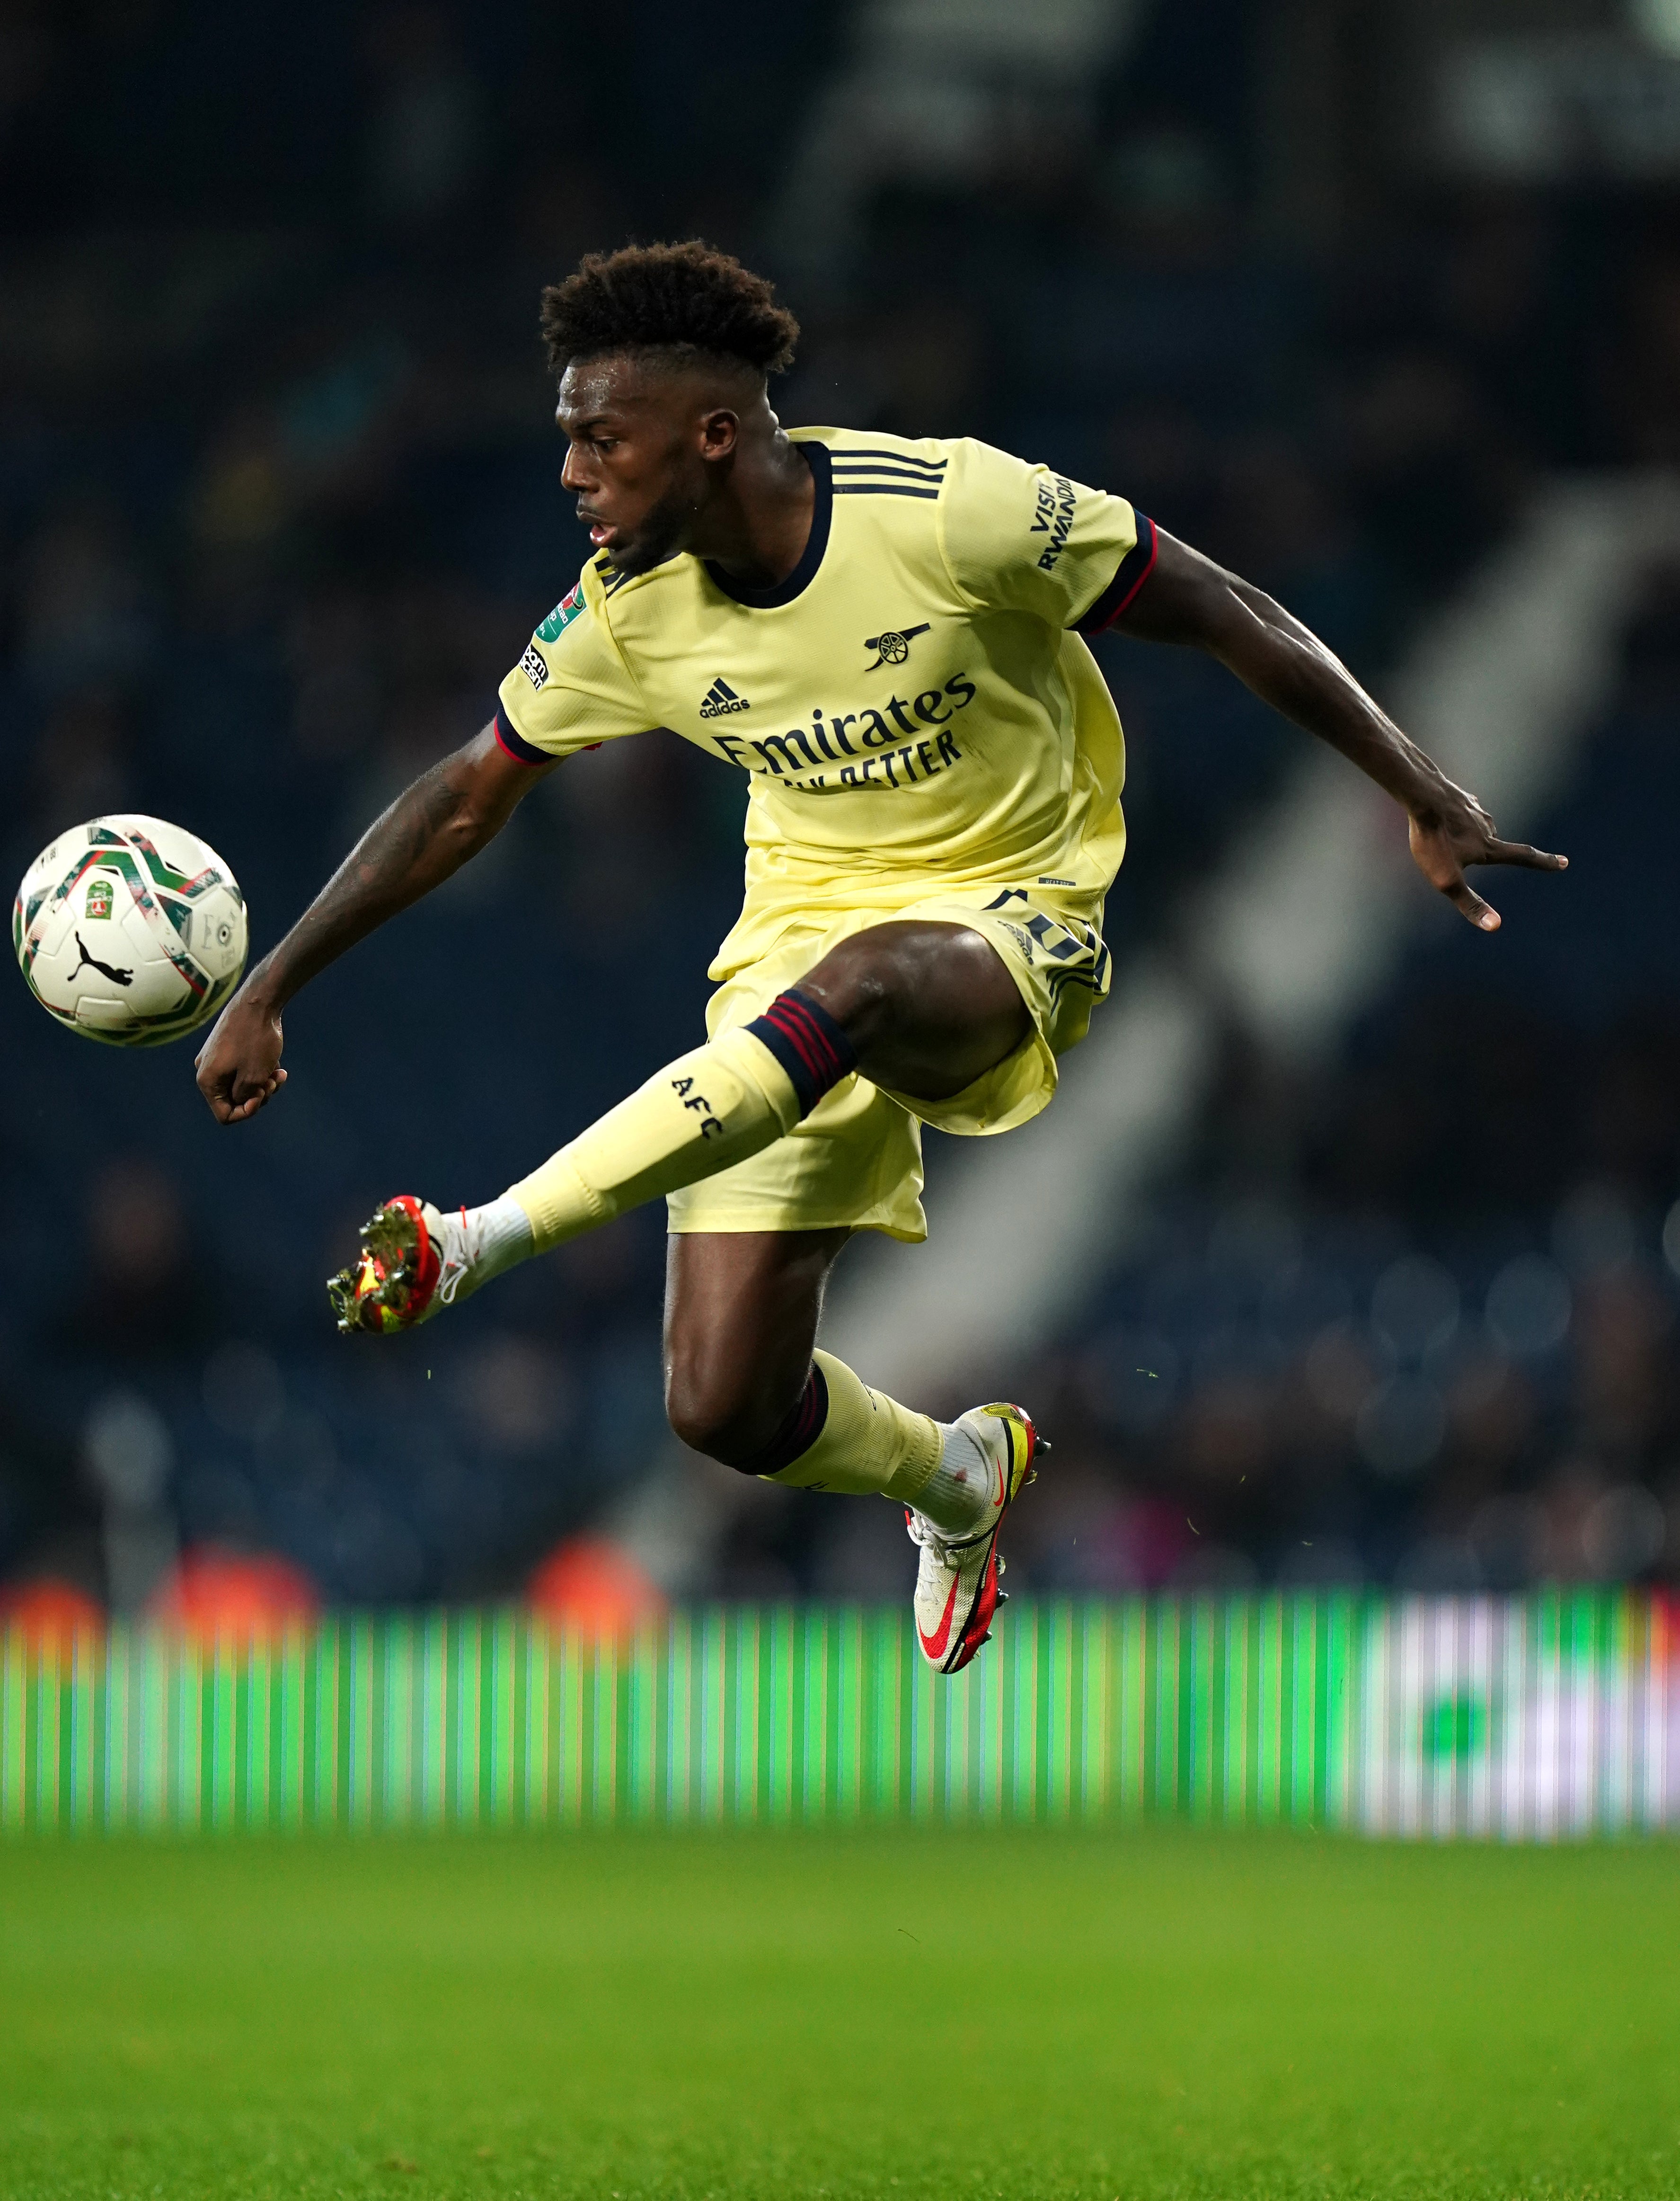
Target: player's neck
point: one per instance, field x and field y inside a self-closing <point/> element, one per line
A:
<point x="759" y="525"/>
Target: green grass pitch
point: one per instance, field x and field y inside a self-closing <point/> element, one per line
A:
<point x="888" y="2013"/>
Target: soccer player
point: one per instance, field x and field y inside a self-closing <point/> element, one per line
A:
<point x="888" y="636"/>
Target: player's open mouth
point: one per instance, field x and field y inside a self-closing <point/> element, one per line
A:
<point x="600" y="534"/>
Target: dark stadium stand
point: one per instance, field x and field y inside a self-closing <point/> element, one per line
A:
<point x="279" y="504"/>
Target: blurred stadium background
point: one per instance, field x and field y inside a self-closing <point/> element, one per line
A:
<point x="1353" y="1241"/>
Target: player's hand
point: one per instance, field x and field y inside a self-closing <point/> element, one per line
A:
<point x="239" y="1064"/>
<point x="1456" y="831"/>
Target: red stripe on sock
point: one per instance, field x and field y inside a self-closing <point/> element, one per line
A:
<point x="805" y="1039"/>
<point x="792" y="1016"/>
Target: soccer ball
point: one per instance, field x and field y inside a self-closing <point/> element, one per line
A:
<point x="130" y="931"/>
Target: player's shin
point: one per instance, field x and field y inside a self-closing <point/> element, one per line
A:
<point x="700" y="1114"/>
<point x="843" y="1436"/>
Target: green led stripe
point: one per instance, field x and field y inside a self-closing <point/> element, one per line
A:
<point x="1231" y="1798"/>
<point x="111" y="1802"/>
<point x="1197" y="1704"/>
<point x="44" y="1708"/>
<point x="597" y="1676"/>
<point x="809" y="1685"/>
<point x="287" y="1759"/>
<point x="845" y="1681"/>
<point x="1328" y="1709"/>
<point x="741" y="1714"/>
<point x="634" y="1767"/>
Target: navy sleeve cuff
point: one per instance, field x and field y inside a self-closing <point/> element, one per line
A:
<point x="1133" y="570"/>
<point x="521" y="750"/>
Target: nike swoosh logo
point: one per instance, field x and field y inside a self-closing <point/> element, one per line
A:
<point x="934" y="1645"/>
<point x="1006" y="1471"/>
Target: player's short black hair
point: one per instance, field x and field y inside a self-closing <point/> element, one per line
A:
<point x="688" y="297"/>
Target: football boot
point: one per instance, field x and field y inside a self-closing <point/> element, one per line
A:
<point x="957" y="1592"/>
<point x="414" y="1261"/>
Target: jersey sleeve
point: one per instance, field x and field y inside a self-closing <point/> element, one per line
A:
<point x="572" y="689"/>
<point x="1025" y="538"/>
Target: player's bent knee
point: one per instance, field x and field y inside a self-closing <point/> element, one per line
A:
<point x="716" y="1420"/>
<point x="902" y="976"/>
<point x="859" y="983"/>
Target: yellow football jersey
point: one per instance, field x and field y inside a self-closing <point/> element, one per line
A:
<point x="912" y="709"/>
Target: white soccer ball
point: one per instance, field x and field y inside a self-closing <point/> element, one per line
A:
<point x="130" y="931"/>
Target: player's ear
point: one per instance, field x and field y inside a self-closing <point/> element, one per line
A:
<point x="720" y="431"/>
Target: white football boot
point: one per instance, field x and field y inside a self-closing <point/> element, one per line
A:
<point x="957" y="1592"/>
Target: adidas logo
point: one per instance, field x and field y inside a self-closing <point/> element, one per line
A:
<point x="721" y="700"/>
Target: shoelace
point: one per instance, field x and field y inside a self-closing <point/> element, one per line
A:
<point x="920" y="1530"/>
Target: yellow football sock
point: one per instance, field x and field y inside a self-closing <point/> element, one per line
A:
<point x="867" y="1441"/>
<point x="701" y="1113"/>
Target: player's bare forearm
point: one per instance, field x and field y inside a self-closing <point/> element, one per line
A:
<point x="448" y="814"/>
<point x="1190" y="601"/>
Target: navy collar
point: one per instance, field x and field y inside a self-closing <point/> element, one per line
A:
<point x="816" y="456"/>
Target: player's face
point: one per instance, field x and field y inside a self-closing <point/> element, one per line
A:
<point x="638" y="442"/>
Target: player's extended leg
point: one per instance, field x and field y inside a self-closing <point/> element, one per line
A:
<point x="744" y="1382"/>
<point x="920" y="1008"/>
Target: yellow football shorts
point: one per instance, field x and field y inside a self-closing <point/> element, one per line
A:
<point x="856" y="1160"/>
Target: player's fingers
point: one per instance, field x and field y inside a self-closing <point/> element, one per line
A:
<point x="217" y="1098"/>
<point x="1519" y="853"/>
<point x="1469" y="904"/>
<point x="1435" y="857"/>
<point x="252" y="1098"/>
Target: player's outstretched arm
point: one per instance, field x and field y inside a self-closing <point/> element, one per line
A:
<point x="449" y="814"/>
<point x="1187" y="599"/>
